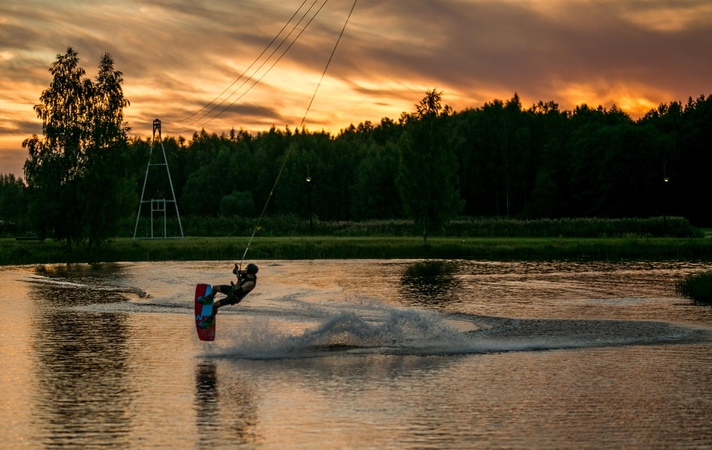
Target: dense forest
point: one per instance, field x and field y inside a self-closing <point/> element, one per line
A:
<point x="432" y="164"/>
<point x="537" y="162"/>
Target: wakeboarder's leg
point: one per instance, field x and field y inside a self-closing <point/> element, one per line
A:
<point x="216" y="305"/>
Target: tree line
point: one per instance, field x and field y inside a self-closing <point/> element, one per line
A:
<point x="78" y="184"/>
<point x="430" y="165"/>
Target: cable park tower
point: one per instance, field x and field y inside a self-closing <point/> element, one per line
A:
<point x="159" y="181"/>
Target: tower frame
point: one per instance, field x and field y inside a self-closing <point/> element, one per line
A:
<point x="158" y="205"/>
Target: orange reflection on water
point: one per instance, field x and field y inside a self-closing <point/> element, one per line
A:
<point x="16" y="383"/>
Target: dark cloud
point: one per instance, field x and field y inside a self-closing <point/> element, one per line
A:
<point x="231" y="116"/>
<point x="12" y="162"/>
<point x="177" y="55"/>
<point x="514" y="46"/>
<point x="20" y="127"/>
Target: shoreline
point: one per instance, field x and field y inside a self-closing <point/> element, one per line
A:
<point x="21" y="252"/>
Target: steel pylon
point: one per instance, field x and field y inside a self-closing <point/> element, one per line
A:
<point x="158" y="204"/>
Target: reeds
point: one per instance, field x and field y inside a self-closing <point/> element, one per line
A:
<point x="575" y="227"/>
<point x="328" y="247"/>
<point x="697" y="287"/>
<point x="677" y="227"/>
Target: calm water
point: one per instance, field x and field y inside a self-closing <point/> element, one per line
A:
<point x="356" y="354"/>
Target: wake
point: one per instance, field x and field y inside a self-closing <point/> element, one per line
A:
<point x="345" y="332"/>
<point x="416" y="332"/>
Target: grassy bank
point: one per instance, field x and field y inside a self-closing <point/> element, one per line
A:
<point x="188" y="249"/>
<point x="276" y="226"/>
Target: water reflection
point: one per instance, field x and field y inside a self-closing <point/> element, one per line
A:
<point x="81" y="360"/>
<point x="84" y="368"/>
<point x="227" y="412"/>
<point x="84" y="284"/>
<point x="206" y="402"/>
<point x="430" y="283"/>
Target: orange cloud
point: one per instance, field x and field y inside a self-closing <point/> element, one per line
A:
<point x="178" y="56"/>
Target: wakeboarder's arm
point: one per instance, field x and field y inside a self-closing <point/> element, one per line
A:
<point x="247" y="286"/>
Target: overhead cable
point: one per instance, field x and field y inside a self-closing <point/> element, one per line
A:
<point x="289" y="149"/>
<point x="253" y="63"/>
<point x="265" y="73"/>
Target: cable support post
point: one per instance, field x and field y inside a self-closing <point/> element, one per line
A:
<point x="158" y="202"/>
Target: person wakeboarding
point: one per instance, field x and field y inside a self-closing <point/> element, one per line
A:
<point x="234" y="293"/>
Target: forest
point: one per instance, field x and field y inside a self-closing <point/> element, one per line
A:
<point x="431" y="165"/>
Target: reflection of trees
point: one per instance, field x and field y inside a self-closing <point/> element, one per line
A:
<point x="81" y="365"/>
<point x="236" y="425"/>
<point x="429" y="283"/>
<point x="83" y="284"/>
<point x="206" y="402"/>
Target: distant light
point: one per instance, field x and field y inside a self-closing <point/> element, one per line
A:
<point x="666" y="179"/>
<point x="309" y="179"/>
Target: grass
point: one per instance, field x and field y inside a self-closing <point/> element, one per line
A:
<point x="472" y="227"/>
<point x="697" y="287"/>
<point x="330" y="247"/>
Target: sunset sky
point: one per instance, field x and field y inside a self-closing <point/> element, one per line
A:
<point x="179" y="55"/>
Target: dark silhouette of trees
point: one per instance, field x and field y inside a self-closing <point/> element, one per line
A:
<point x="52" y="169"/>
<point x="107" y="188"/>
<point x="689" y="179"/>
<point x="84" y="175"/>
<point x="75" y="172"/>
<point x="499" y="160"/>
<point x="427" y="179"/>
<point x="13" y="205"/>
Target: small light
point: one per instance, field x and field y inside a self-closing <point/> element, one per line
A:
<point x="666" y="179"/>
<point x="309" y="179"/>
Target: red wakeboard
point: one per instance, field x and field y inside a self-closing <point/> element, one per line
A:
<point x="204" y="321"/>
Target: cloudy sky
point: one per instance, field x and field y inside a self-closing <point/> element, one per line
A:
<point x="179" y="55"/>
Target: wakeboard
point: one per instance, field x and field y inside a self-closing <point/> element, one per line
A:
<point x="204" y="320"/>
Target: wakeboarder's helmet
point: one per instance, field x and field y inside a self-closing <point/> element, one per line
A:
<point x="252" y="269"/>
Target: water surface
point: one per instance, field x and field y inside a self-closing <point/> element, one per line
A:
<point x="356" y="354"/>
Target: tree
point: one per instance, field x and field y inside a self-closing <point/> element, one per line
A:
<point x="106" y="188"/>
<point x="427" y="178"/>
<point x="52" y="170"/>
<point x="74" y="173"/>
<point x="238" y="204"/>
<point x="13" y="204"/>
<point x="374" y="192"/>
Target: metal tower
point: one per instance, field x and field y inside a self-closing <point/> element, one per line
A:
<point x="158" y="203"/>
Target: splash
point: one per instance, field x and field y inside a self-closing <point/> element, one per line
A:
<point x="346" y="330"/>
<point x="396" y="332"/>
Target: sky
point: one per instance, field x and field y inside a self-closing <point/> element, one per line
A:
<point x="177" y="56"/>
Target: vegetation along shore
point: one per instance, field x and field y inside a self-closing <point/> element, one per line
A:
<point x="294" y="238"/>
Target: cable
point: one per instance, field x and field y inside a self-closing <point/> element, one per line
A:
<point x="253" y="63"/>
<point x="264" y="74"/>
<point x="289" y="150"/>
<point x="258" y="69"/>
<point x="328" y="63"/>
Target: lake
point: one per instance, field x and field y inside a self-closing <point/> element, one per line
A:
<point x="356" y="354"/>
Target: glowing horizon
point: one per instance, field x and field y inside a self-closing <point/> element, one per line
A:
<point x="178" y="56"/>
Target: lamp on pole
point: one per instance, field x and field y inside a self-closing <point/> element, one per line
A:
<point x="309" y="188"/>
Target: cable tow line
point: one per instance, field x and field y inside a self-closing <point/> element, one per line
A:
<point x="246" y="70"/>
<point x="192" y="126"/>
<point x="289" y="150"/>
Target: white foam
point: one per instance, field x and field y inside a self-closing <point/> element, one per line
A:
<point x="346" y="329"/>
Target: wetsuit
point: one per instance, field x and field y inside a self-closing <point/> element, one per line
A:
<point x="236" y="292"/>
